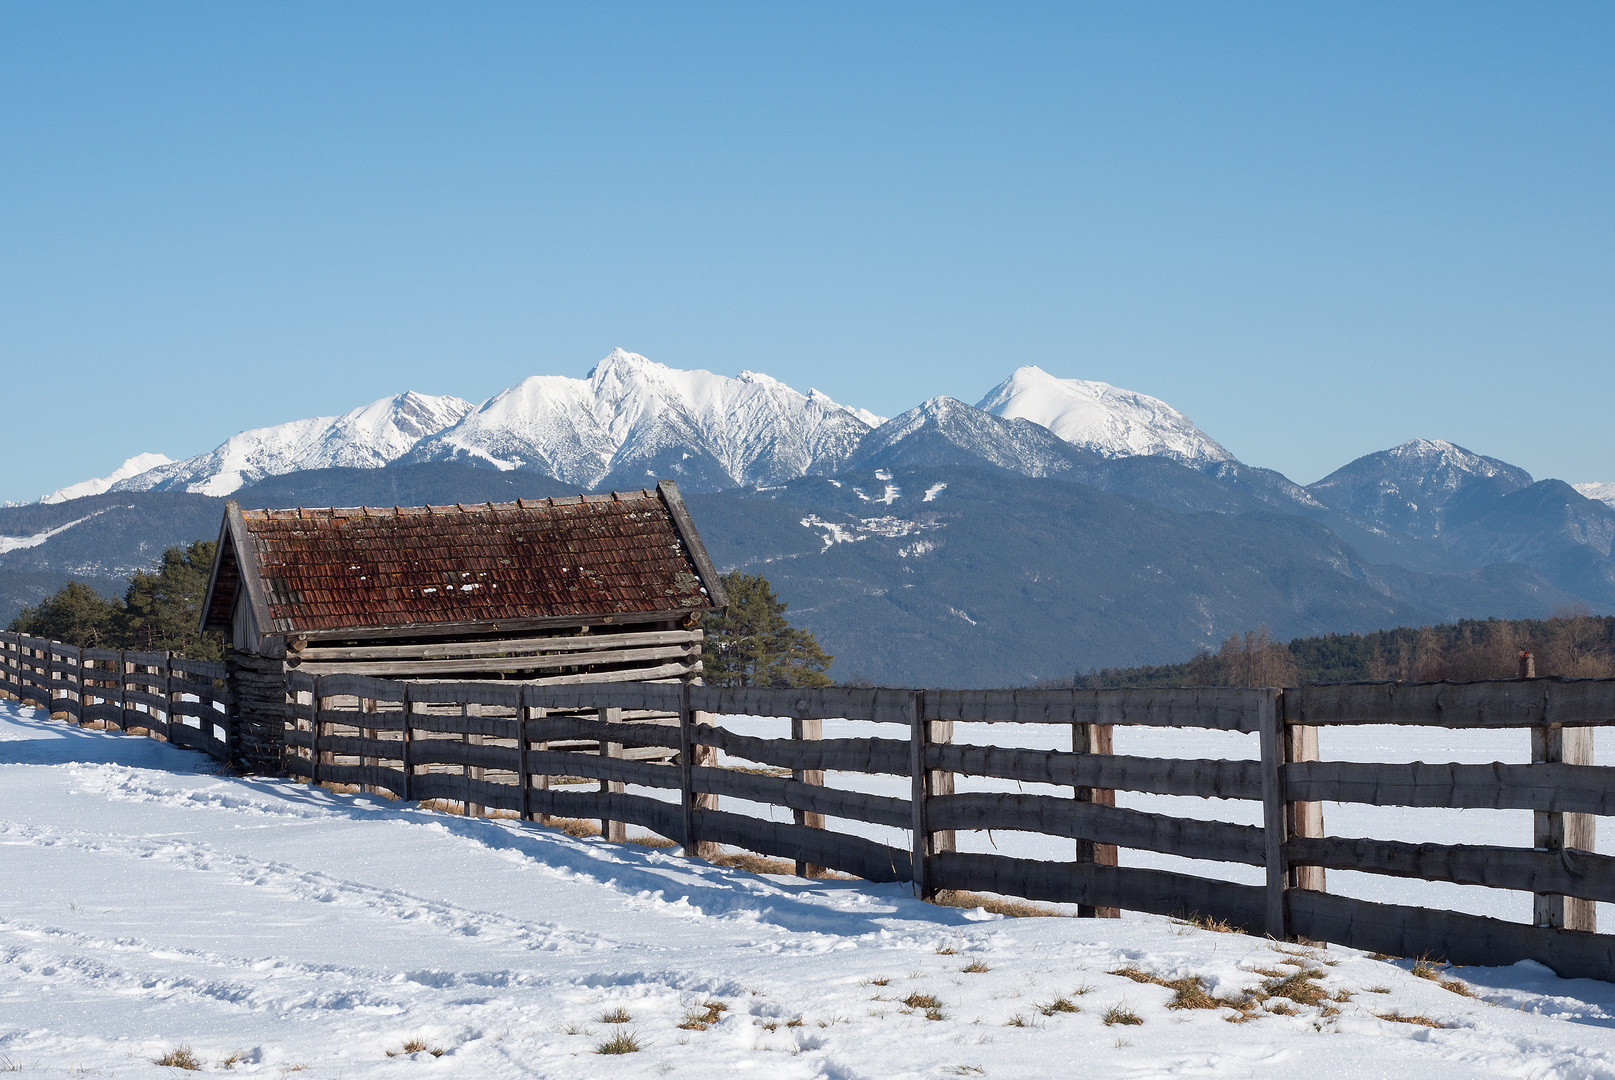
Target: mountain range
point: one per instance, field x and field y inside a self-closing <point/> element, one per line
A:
<point x="1056" y="524"/>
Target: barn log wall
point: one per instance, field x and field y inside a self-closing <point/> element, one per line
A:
<point x="644" y="754"/>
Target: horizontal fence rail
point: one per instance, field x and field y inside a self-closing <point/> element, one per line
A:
<point x="656" y="756"/>
<point x="186" y="702"/>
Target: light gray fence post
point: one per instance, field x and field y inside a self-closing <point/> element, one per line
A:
<point x="616" y="831"/>
<point x="1553" y="831"/>
<point x="806" y="731"/>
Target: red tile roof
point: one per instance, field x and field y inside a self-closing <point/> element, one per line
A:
<point x="588" y="556"/>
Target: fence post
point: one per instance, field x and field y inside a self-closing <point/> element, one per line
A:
<point x="1301" y="818"/>
<point x="314" y="727"/>
<point x="369" y="763"/>
<point x="1095" y="739"/>
<point x="121" y="685"/>
<point x="471" y="772"/>
<point x="687" y="770"/>
<point x="919" y="777"/>
<point x="806" y="730"/>
<point x="1557" y="831"/>
<point x="524" y="790"/>
<point x="615" y="831"/>
<point x="1273" y="811"/>
<point x="78" y="704"/>
<point x="406" y="752"/>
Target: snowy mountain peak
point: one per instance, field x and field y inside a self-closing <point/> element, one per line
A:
<point x="132" y="467"/>
<point x="1451" y="460"/>
<point x="946" y="431"/>
<point x="1409" y="486"/>
<point x="1604" y="493"/>
<point x="1100" y="417"/>
<point x="631" y="419"/>
<point x="367" y="438"/>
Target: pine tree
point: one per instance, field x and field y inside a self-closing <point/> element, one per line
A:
<point x="162" y="607"/>
<point x="752" y="644"/>
<point x="76" y="614"/>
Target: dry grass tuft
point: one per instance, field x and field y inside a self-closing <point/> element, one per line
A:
<point x="1282" y="1008"/>
<point x="1121" y="1014"/>
<point x="922" y="1001"/>
<point x="704" y="1015"/>
<point x="975" y="967"/>
<point x="1190" y="993"/>
<point x="1061" y="1004"/>
<point x="1300" y="987"/>
<point x="1208" y="922"/>
<point x="946" y="950"/>
<point x="624" y="1042"/>
<point x="1136" y="974"/>
<point x="1425" y="968"/>
<point x="619" y="1015"/>
<point x="1411" y="1018"/>
<point x="1014" y="909"/>
<point x="1187" y="993"/>
<point x="181" y="1057"/>
<point x="416" y="1045"/>
<point x="879" y="982"/>
<point x="755" y="864"/>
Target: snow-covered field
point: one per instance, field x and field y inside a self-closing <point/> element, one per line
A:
<point x="147" y="904"/>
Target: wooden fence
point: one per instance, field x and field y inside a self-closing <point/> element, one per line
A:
<point x="504" y="746"/>
<point x="499" y="745"/>
<point x="183" y="701"/>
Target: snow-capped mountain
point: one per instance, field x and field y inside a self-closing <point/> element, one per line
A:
<point x="1103" y="418"/>
<point x="367" y="437"/>
<point x="946" y="431"/>
<point x="1604" y="493"/>
<point x="632" y="419"/>
<point x="1409" y="487"/>
<point x="132" y="467"/>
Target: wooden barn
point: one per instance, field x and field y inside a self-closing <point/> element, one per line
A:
<point x="592" y="588"/>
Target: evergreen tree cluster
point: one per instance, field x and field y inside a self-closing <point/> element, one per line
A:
<point x="1572" y="643"/>
<point x="159" y="610"/>
<point x="752" y="644"/>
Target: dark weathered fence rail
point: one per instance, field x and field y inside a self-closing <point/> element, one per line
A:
<point x="183" y="701"/>
<point x="504" y="746"/>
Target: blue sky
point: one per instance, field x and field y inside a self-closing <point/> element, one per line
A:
<point x="1319" y="230"/>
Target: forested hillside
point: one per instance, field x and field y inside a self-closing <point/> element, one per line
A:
<point x="1573" y="643"/>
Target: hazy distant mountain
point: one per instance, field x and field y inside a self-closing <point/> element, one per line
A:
<point x="1408" y="487"/>
<point x="368" y="437"/>
<point x="1105" y="419"/>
